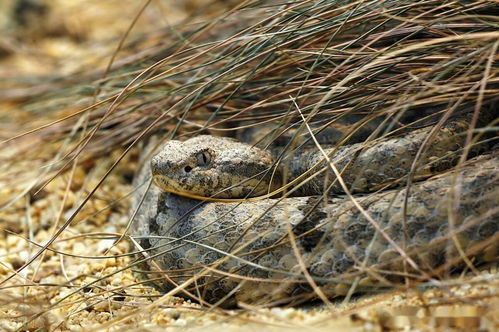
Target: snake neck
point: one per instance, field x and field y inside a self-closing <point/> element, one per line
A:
<point x="378" y="164"/>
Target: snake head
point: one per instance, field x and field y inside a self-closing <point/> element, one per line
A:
<point x="212" y="166"/>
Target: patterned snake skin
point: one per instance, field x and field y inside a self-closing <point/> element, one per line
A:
<point x="270" y="250"/>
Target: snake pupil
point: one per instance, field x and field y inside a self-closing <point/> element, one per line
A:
<point x="203" y="158"/>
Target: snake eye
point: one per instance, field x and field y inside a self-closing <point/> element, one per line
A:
<point x="203" y="158"/>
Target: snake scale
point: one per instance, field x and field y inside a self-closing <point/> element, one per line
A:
<point x="317" y="238"/>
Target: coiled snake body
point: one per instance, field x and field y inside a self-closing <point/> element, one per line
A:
<point x="371" y="231"/>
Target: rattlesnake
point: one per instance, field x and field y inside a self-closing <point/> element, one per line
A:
<point x="290" y="249"/>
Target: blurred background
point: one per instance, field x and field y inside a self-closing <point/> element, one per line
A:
<point x="43" y="36"/>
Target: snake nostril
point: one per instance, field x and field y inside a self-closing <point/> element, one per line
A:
<point x="187" y="169"/>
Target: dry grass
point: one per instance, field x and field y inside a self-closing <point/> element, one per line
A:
<point x="69" y="152"/>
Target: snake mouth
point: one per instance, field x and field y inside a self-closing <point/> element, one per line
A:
<point x="169" y="185"/>
<point x="161" y="182"/>
<point x="166" y="184"/>
<point x="236" y="193"/>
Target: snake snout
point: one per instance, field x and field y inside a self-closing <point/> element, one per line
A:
<point x="159" y="166"/>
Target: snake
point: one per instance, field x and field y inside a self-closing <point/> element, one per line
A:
<point x="230" y="222"/>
